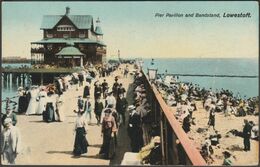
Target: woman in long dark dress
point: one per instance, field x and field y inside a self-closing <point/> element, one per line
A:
<point x="22" y="102"/>
<point x="98" y="110"/>
<point x="108" y="127"/>
<point x="81" y="143"/>
<point x="86" y="91"/>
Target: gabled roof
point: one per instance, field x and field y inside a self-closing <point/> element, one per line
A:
<point x="69" y="51"/>
<point x="80" y="21"/>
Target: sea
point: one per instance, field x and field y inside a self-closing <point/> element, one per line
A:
<point x="245" y="87"/>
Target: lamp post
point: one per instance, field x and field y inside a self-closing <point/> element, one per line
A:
<point x="152" y="72"/>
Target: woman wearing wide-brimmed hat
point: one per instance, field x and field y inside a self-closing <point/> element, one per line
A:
<point x="81" y="127"/>
<point x="33" y="104"/>
<point x="42" y="100"/>
<point x="134" y="129"/>
<point x="108" y="127"/>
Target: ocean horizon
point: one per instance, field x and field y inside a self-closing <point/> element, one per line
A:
<point x="247" y="87"/>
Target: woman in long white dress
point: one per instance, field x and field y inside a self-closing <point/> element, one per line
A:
<point x="42" y="95"/>
<point x="60" y="108"/>
<point x="33" y="104"/>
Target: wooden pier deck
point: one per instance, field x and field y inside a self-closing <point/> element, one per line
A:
<point x="52" y="143"/>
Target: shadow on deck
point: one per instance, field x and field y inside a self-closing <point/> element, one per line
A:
<point x="123" y="139"/>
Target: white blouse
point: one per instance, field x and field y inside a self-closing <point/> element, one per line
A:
<point x="81" y="122"/>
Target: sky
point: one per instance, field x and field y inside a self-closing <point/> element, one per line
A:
<point x="132" y="28"/>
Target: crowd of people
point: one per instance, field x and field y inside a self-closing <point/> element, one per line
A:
<point x="183" y="96"/>
<point x="46" y="101"/>
<point x="111" y="108"/>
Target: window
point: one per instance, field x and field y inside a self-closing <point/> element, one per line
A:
<point x="81" y="35"/>
<point x="49" y="35"/>
<point x="81" y="47"/>
<point x="65" y="28"/>
<point x="65" y="35"/>
<point x="49" y="46"/>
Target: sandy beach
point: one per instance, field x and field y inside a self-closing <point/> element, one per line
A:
<point x="229" y="142"/>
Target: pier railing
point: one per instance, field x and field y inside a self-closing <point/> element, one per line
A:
<point x="173" y="153"/>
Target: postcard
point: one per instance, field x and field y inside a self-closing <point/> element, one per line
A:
<point x="130" y="83"/>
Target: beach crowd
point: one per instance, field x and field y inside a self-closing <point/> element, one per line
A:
<point x="184" y="97"/>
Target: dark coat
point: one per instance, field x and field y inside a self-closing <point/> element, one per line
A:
<point x="98" y="108"/>
<point x="115" y="88"/>
<point x="97" y="91"/>
<point x="247" y="131"/>
<point x="86" y="92"/>
<point x="135" y="132"/>
<point x="104" y="86"/>
<point x="121" y="90"/>
<point x="186" y="124"/>
<point x="121" y="105"/>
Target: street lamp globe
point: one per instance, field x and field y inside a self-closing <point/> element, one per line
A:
<point x="152" y="71"/>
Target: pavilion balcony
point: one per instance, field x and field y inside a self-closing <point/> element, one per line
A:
<point x="38" y="50"/>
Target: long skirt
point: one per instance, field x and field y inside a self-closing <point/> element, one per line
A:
<point x="105" y="148"/>
<point x="211" y="121"/>
<point x="136" y="137"/>
<point x="22" y="107"/>
<point x="48" y="115"/>
<point x="81" y="143"/>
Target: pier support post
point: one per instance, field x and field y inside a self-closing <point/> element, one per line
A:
<point x="19" y="79"/>
<point x="14" y="78"/>
<point x="41" y="78"/>
<point x="8" y="77"/>
<point x="5" y="77"/>
<point x="23" y="78"/>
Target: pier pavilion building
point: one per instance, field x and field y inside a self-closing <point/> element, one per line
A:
<point x="69" y="41"/>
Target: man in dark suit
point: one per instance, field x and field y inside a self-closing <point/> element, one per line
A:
<point x="134" y="129"/>
<point x="246" y="135"/>
<point x="104" y="88"/>
<point x="121" y="106"/>
<point x="97" y="91"/>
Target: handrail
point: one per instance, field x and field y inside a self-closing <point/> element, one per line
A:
<point x="193" y="154"/>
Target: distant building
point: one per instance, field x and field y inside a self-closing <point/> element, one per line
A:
<point x="69" y="40"/>
<point x="14" y="59"/>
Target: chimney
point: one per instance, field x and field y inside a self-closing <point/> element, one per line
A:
<point x="67" y="10"/>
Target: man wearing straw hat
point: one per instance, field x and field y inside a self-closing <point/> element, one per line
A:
<point x="10" y="142"/>
<point x="134" y="129"/>
<point x="9" y="114"/>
